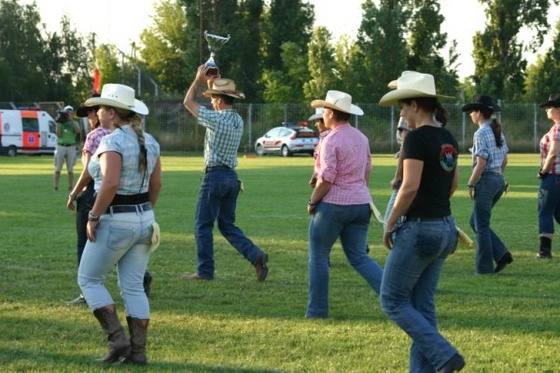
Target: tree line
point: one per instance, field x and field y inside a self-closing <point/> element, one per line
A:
<point x="276" y="55"/>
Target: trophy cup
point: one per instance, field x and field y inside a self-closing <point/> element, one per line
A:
<point x="215" y="43"/>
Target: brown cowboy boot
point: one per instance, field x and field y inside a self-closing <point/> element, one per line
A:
<point x="119" y="346"/>
<point x="138" y="337"/>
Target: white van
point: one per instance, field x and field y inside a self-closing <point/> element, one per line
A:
<point x="27" y="132"/>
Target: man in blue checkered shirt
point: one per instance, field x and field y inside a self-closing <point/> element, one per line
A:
<point x="220" y="187"/>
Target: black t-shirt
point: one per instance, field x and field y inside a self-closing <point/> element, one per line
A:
<point x="438" y="149"/>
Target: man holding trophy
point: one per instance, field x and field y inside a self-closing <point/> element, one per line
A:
<point x="220" y="187"/>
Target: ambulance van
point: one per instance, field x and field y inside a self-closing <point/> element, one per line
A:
<point x="27" y="132"/>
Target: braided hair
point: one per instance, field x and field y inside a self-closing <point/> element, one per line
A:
<point x="136" y="124"/>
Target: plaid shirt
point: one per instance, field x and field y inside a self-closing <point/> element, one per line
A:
<point x="316" y="152"/>
<point x="484" y="146"/>
<point x="125" y="142"/>
<point x="223" y="134"/>
<point x="93" y="139"/>
<point x="345" y="162"/>
<point x="546" y="142"/>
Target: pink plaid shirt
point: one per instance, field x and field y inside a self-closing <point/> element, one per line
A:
<point x="345" y="162"/>
<point x="93" y="138"/>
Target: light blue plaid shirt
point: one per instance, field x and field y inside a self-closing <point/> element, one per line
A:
<point x="124" y="141"/>
<point x="484" y="146"/>
<point x="223" y="134"/>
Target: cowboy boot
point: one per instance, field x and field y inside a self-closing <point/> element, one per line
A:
<point x="118" y="344"/>
<point x="138" y="336"/>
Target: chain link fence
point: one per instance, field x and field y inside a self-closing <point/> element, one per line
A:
<point x="176" y="129"/>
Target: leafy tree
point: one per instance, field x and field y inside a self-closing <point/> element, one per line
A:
<point x="21" y="53"/>
<point x="426" y="44"/>
<point x="165" y="44"/>
<point x="321" y="66"/>
<point x="381" y="50"/>
<point x="498" y="54"/>
<point x="542" y="77"/>
<point x="286" y="86"/>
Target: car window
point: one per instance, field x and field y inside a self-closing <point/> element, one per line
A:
<point x="274" y="132"/>
<point x="285" y="132"/>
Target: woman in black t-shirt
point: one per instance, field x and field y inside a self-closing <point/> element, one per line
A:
<point x="420" y="231"/>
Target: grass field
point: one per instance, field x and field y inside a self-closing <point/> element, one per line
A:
<point x="503" y="323"/>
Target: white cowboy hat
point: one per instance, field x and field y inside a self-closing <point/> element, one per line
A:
<point x="318" y="114"/>
<point x="118" y="96"/>
<point x="223" y="86"/>
<point x="340" y="101"/>
<point x="68" y="108"/>
<point x="411" y="84"/>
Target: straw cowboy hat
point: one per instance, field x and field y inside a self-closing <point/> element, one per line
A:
<point x="411" y="84"/>
<point x="553" y="101"/>
<point x="481" y="102"/>
<point x="223" y="86"/>
<point x="118" y="96"/>
<point x="340" y="101"/>
<point x="318" y="114"/>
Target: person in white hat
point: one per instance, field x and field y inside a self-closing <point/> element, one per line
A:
<point x="317" y="118"/>
<point x="420" y="230"/>
<point x="340" y="202"/>
<point x="126" y="170"/>
<point x="220" y="187"/>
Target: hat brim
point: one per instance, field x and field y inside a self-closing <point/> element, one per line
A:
<point x="550" y="104"/>
<point x="393" y="97"/>
<point x="315" y="117"/>
<point x="82" y="111"/>
<point x="475" y="106"/>
<point x="234" y="94"/>
<point x="355" y="110"/>
<point x="139" y="107"/>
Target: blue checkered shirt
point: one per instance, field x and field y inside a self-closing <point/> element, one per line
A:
<point x="223" y="134"/>
<point x="484" y="146"/>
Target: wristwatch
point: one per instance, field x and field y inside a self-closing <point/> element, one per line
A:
<point x="92" y="217"/>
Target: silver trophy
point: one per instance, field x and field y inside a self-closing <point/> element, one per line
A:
<point x="215" y="43"/>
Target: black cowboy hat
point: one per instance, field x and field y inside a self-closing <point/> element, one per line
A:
<point x="481" y="102"/>
<point x="83" y="110"/>
<point x="553" y="101"/>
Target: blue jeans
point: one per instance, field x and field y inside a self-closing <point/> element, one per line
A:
<point x="217" y="199"/>
<point x="328" y="223"/>
<point x="409" y="284"/>
<point x="489" y="248"/>
<point x="390" y="204"/>
<point x="123" y="239"/>
<point x="549" y="203"/>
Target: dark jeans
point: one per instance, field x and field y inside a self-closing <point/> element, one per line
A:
<point x="217" y="200"/>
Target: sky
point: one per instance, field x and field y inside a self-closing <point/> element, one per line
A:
<point x="120" y="22"/>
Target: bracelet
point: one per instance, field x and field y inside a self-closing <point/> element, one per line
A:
<point x="470" y="186"/>
<point x="71" y="197"/>
<point x="311" y="204"/>
<point x="92" y="216"/>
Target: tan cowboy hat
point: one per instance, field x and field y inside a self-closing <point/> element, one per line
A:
<point x="411" y="84"/>
<point x="340" y="101"/>
<point x="119" y="96"/>
<point x="318" y="114"/>
<point x="223" y="86"/>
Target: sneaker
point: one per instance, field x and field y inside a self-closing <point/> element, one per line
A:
<point x="543" y="255"/>
<point x="260" y="266"/>
<point x="194" y="277"/>
<point x="79" y="300"/>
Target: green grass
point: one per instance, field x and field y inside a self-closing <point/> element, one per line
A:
<point x="503" y="323"/>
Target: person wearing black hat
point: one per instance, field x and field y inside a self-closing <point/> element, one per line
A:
<point x="486" y="183"/>
<point x="549" y="192"/>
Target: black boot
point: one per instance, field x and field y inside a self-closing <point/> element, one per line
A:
<point x="119" y="346"/>
<point x="545" y="249"/>
<point x="138" y="337"/>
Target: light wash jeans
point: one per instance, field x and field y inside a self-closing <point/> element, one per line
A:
<point x="409" y="284"/>
<point x="489" y="248"/>
<point x="217" y="199"/>
<point x="123" y="239"/>
<point x="549" y="203"/>
<point x="328" y="223"/>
